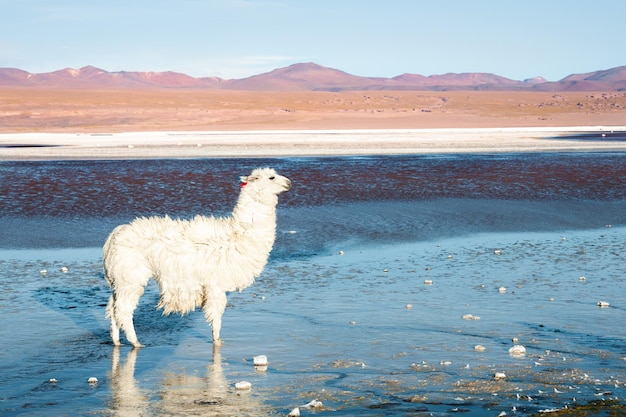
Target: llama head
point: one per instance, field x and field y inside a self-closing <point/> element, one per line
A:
<point x="263" y="183"/>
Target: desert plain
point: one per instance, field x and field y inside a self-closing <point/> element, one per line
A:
<point x="47" y="123"/>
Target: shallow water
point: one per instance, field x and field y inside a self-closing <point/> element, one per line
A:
<point x="335" y="328"/>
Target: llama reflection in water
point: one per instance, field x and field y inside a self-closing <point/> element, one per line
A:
<point x="127" y="398"/>
<point x="178" y="393"/>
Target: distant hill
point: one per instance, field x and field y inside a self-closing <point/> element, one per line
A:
<point x="309" y="77"/>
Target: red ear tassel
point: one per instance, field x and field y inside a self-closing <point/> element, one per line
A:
<point x="243" y="184"/>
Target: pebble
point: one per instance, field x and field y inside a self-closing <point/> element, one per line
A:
<point x="428" y="281"/>
<point x="260" y="360"/>
<point x="294" y="413"/>
<point x="43" y="272"/>
<point x="243" y="385"/>
<point x="499" y="375"/>
<point x="502" y="290"/>
<point x="64" y="269"/>
<point x="479" y="348"/>
<point x="409" y="306"/>
<point x="517" y="350"/>
<point x="313" y="404"/>
<point x="603" y="304"/>
<point x="93" y="380"/>
<point x="497" y="252"/>
<point x="52" y="380"/>
<point x="470" y="317"/>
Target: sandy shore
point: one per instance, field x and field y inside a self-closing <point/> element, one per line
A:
<point x="303" y="142"/>
<point x="177" y="123"/>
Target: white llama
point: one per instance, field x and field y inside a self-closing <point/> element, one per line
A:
<point x="195" y="262"/>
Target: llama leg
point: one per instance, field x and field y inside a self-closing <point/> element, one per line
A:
<point x="214" y="306"/>
<point x="115" y="327"/>
<point x="124" y="306"/>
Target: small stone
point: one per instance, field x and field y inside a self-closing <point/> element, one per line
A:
<point x="93" y="380"/>
<point x="603" y="304"/>
<point x="502" y="290"/>
<point x="294" y="413"/>
<point x="313" y="404"/>
<point x="479" y="348"/>
<point x="499" y="375"/>
<point x="517" y="350"/>
<point x="409" y="306"/>
<point x="428" y="282"/>
<point x="52" y="380"/>
<point x="243" y="385"/>
<point x="64" y="269"/>
<point x="260" y="360"/>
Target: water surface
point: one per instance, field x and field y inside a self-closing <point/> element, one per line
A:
<point x="335" y="327"/>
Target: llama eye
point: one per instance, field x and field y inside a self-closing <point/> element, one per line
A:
<point x="272" y="178"/>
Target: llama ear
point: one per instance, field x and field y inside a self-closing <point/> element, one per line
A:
<point x="248" y="178"/>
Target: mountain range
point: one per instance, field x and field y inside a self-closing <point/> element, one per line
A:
<point x="309" y="77"/>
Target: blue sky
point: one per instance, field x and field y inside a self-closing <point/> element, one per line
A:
<point x="239" y="38"/>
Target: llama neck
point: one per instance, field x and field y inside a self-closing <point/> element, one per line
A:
<point x="254" y="214"/>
